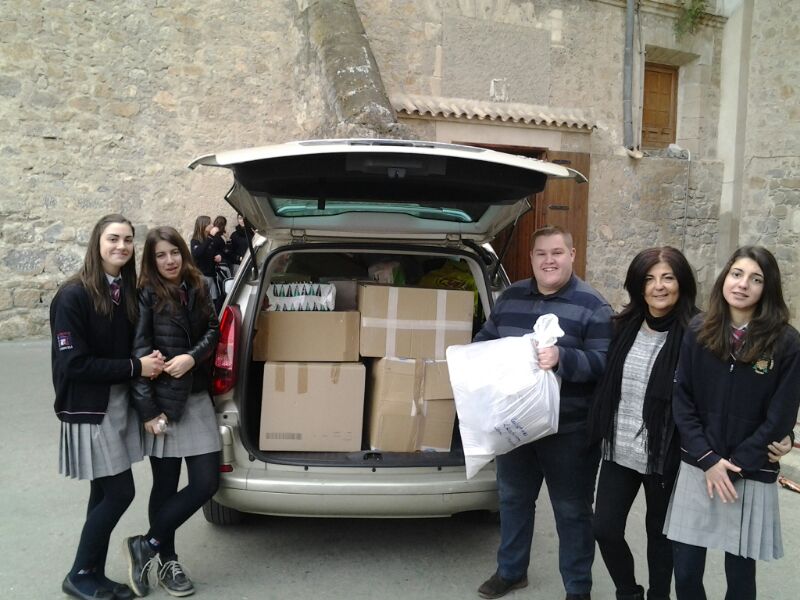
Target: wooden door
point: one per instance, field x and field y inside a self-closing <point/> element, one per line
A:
<point x="564" y="203"/>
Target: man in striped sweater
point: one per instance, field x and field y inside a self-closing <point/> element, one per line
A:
<point x="564" y="460"/>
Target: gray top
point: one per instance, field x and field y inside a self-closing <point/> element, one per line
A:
<point x="629" y="445"/>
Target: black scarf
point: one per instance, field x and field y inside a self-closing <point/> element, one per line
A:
<point x="657" y="410"/>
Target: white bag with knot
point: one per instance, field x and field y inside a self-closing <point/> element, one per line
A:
<point x="503" y="398"/>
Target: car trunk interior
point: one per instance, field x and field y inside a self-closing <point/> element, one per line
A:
<point x="397" y="265"/>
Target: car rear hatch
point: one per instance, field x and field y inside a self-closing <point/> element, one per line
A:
<point x="381" y="188"/>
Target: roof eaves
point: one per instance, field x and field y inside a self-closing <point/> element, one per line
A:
<point x="481" y="110"/>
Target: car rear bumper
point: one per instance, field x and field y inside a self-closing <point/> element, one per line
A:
<point x="383" y="493"/>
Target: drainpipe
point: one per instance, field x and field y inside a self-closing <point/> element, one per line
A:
<point x="627" y="84"/>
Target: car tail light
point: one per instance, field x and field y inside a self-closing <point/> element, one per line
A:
<point x="225" y="358"/>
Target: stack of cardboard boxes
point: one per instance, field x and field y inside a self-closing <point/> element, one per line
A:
<point x="314" y="385"/>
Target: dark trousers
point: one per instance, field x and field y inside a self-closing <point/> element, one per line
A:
<point x="690" y="565"/>
<point x="616" y="490"/>
<point x="109" y="498"/>
<point x="569" y="468"/>
<point x="169" y="508"/>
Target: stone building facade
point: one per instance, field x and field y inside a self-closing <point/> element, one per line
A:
<point x="102" y="106"/>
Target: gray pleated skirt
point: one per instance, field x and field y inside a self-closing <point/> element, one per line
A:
<point x="196" y="432"/>
<point x="91" y="451"/>
<point x="749" y="527"/>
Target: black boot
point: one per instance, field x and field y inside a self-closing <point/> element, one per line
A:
<point x="637" y="595"/>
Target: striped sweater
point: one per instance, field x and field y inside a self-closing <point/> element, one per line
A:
<point x="585" y="317"/>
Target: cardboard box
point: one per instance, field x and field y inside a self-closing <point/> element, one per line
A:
<point x="410" y="405"/>
<point x="307" y="336"/>
<point x="410" y="322"/>
<point x="317" y="407"/>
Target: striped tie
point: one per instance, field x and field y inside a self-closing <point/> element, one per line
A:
<point x="737" y="339"/>
<point x="116" y="291"/>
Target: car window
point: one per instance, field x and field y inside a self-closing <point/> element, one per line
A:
<point x="300" y="207"/>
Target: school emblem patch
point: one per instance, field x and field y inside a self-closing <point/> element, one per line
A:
<point x="64" y="340"/>
<point x="763" y="365"/>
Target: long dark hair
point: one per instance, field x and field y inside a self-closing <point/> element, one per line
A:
<point x="769" y="318"/>
<point x="167" y="293"/>
<point x="220" y="223"/>
<point x="200" y="224"/>
<point x="93" y="278"/>
<point x="634" y="284"/>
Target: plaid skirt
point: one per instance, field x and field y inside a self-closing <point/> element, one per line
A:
<point x="91" y="451"/>
<point x="196" y="433"/>
<point x="749" y="527"/>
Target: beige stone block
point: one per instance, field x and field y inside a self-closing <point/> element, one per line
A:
<point x="6" y="301"/>
<point x="15" y="327"/>
<point x="83" y="103"/>
<point x="27" y="298"/>
<point x="165" y="100"/>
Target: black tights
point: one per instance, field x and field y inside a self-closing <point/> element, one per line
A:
<point x="616" y="491"/>
<point x="170" y="508"/>
<point x="690" y="565"/>
<point x="109" y="498"/>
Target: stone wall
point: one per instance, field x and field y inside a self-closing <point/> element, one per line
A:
<point x="771" y="187"/>
<point x="102" y="106"/>
<point x="561" y="53"/>
<point x="652" y="205"/>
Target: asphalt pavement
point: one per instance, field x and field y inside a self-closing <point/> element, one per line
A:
<point x="266" y="557"/>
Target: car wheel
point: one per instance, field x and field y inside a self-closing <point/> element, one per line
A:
<point x="216" y="513"/>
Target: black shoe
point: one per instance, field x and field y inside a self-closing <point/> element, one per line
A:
<point x="120" y="590"/>
<point x="496" y="586"/>
<point x="141" y="558"/>
<point x="638" y="594"/>
<point x="99" y="594"/>
<point x="172" y="578"/>
<point x="579" y="597"/>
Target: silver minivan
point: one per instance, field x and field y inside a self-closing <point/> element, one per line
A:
<point x="328" y="209"/>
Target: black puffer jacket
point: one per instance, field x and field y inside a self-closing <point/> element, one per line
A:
<point x="193" y="330"/>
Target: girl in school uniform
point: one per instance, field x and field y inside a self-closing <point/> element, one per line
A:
<point x="737" y="388"/>
<point x="207" y="247"/>
<point x="176" y="318"/>
<point x="91" y="321"/>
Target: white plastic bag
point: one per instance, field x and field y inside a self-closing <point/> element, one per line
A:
<point x="503" y="398"/>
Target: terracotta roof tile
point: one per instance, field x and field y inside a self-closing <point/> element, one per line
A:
<point x="507" y="112"/>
